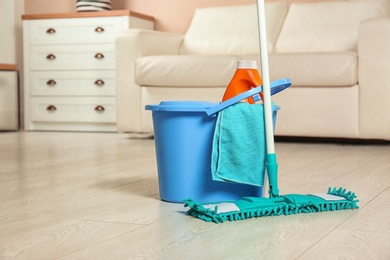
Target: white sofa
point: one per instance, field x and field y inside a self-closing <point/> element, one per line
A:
<point x="337" y="55"/>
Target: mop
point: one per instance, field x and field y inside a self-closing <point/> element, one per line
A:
<point x="275" y="205"/>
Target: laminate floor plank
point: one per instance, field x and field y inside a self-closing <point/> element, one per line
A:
<point x="60" y="239"/>
<point x="114" y="183"/>
<point x="46" y="214"/>
<point x="353" y="245"/>
<point x="143" y="211"/>
<point x="295" y="156"/>
<point x="367" y="181"/>
<point x="179" y="236"/>
<point x="33" y="150"/>
<point x="329" y="170"/>
<point x="374" y="217"/>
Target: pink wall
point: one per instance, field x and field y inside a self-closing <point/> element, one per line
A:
<point x="170" y="15"/>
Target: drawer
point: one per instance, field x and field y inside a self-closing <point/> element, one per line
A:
<point x="75" y="30"/>
<point x="58" y="57"/>
<point x="72" y="83"/>
<point x="73" y="109"/>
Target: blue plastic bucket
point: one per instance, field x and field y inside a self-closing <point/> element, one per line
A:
<point x="183" y="132"/>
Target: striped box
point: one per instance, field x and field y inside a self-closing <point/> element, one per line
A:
<point x="93" y="5"/>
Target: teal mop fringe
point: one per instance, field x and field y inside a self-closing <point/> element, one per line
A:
<point x="290" y="206"/>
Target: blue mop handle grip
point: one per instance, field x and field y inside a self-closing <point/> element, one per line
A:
<point x="272" y="172"/>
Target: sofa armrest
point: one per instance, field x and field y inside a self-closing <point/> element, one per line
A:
<point x="374" y="83"/>
<point x="130" y="45"/>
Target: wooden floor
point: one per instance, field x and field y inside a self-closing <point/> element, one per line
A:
<point x="95" y="196"/>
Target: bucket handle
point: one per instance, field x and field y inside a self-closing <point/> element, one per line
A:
<point x="276" y="87"/>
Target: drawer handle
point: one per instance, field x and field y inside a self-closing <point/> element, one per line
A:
<point x="99" y="56"/>
<point x="99" y="108"/>
<point x="51" y="57"/>
<point x="99" y="29"/>
<point x="99" y="82"/>
<point x="51" y="108"/>
<point x="51" y="31"/>
<point x="51" y="82"/>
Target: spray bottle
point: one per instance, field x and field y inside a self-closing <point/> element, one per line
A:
<point x="246" y="77"/>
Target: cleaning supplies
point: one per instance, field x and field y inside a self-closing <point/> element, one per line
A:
<point x="239" y="150"/>
<point x="246" y="77"/>
<point x="275" y="205"/>
<point x="183" y="134"/>
<point x="252" y="207"/>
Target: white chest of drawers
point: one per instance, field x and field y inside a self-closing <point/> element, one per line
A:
<point x="69" y="69"/>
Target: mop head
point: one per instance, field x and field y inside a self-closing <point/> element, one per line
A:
<point x="252" y="207"/>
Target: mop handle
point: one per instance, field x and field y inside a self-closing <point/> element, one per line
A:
<point x="272" y="165"/>
<point x="266" y="78"/>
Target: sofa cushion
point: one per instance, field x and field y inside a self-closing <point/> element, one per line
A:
<point x="327" y="26"/>
<point x="185" y="70"/>
<point x="318" y="69"/>
<point x="383" y="4"/>
<point x="231" y="29"/>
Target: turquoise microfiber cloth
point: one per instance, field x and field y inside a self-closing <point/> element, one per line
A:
<point x="239" y="149"/>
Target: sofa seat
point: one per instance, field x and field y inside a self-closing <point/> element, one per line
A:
<point x="335" y="73"/>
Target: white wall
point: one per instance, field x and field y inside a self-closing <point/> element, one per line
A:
<point x="11" y="31"/>
<point x="171" y="15"/>
<point x="11" y="37"/>
<point x="7" y="32"/>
